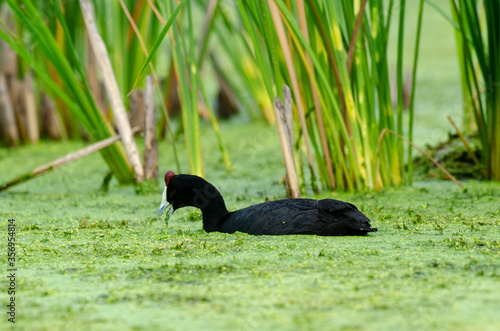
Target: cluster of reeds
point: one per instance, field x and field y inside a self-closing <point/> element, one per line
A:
<point x="51" y="41"/>
<point x="333" y="54"/>
<point x="54" y="59"/>
<point x="477" y="26"/>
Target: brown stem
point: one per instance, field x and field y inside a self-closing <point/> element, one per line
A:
<point x="467" y="146"/>
<point x="317" y="104"/>
<point x="112" y="89"/>
<point x="280" y="30"/>
<point x="150" y="140"/>
<point x="354" y="36"/>
<point x="286" y="148"/>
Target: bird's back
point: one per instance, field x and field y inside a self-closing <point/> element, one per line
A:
<point x="326" y="217"/>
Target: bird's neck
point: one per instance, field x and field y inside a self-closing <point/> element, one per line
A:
<point x="214" y="212"/>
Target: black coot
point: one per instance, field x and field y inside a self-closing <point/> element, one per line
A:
<point x="326" y="217"/>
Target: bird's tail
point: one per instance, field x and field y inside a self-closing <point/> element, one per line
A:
<point x="357" y="224"/>
<point x="347" y="219"/>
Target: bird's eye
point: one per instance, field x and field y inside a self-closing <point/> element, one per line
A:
<point x="171" y="193"/>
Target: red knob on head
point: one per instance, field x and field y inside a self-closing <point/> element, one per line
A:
<point x="168" y="176"/>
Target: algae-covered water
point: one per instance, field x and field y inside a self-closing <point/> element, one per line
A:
<point x="93" y="260"/>
<point x="89" y="260"/>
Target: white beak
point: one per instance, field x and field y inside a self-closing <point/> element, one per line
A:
<point x="164" y="204"/>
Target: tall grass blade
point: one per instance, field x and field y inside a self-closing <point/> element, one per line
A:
<point x="78" y="98"/>
<point x="413" y="89"/>
<point x="478" y="44"/>
<point x="344" y="75"/>
<point x="159" y="40"/>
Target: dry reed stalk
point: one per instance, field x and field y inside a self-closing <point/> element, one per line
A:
<point x="63" y="161"/>
<point x="28" y="103"/>
<point x="136" y="112"/>
<point x="112" y="90"/>
<point x="317" y="105"/>
<point x="150" y="140"/>
<point x="49" y="119"/>
<point x="7" y="116"/>
<point x="283" y="116"/>
<point x="280" y="30"/>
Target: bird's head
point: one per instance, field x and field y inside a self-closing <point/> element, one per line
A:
<point x="165" y="202"/>
<point x="186" y="190"/>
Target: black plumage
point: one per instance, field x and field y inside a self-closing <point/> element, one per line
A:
<point x="326" y="217"/>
